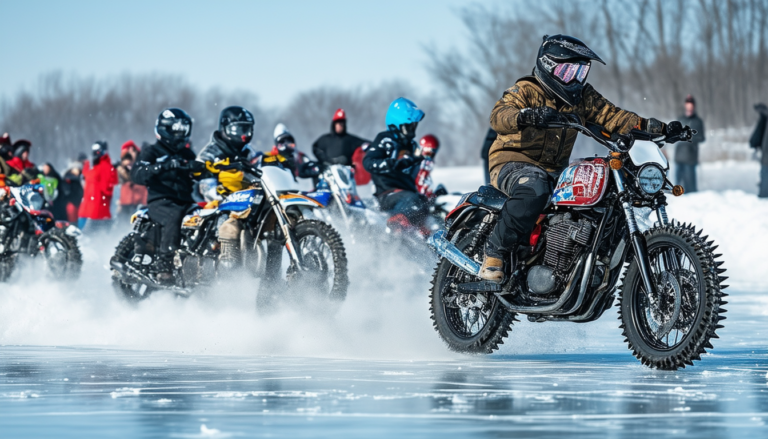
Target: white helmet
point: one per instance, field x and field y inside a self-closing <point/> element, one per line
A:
<point x="281" y="134"/>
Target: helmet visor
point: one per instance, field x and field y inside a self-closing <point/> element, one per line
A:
<point x="180" y="129"/>
<point x="569" y="72"/>
<point x="240" y="131"/>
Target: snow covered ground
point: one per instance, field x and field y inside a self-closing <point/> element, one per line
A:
<point x="75" y="360"/>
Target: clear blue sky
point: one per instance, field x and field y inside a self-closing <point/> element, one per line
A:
<point x="274" y="48"/>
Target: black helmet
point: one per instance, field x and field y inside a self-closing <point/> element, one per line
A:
<point x="236" y="126"/>
<point x="99" y="148"/>
<point x="173" y="128"/>
<point x="562" y="66"/>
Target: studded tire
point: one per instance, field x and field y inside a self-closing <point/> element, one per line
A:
<point x="499" y="323"/>
<point x="67" y="262"/>
<point x="701" y="319"/>
<point x="131" y="292"/>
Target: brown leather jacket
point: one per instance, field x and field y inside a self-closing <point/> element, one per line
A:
<point x="550" y="149"/>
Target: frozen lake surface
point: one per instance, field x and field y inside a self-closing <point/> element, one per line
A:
<point x="598" y="391"/>
<point x="77" y="362"/>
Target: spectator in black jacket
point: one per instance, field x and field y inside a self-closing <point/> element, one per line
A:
<point x="337" y="146"/>
<point x="687" y="153"/>
<point x="759" y="140"/>
<point x="490" y="137"/>
<point x="166" y="169"/>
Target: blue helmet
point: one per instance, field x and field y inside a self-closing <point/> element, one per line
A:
<point x="402" y="112"/>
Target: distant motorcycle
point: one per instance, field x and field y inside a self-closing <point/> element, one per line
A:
<point x="272" y="215"/>
<point x="338" y="190"/>
<point x="670" y="298"/>
<point x="27" y="229"/>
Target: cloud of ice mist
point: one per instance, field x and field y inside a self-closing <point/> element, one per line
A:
<point x="386" y="314"/>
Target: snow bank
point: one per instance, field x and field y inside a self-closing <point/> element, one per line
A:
<point x="738" y="222"/>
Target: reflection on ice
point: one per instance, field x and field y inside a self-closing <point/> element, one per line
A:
<point x="138" y="393"/>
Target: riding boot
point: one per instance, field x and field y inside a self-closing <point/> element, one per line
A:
<point x="229" y="237"/>
<point x="492" y="269"/>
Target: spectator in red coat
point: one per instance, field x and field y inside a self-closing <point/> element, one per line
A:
<point x="20" y="160"/>
<point x="100" y="180"/>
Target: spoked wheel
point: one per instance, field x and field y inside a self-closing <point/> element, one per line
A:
<point x="672" y="327"/>
<point x="63" y="259"/>
<point x="133" y="291"/>
<point x="468" y="323"/>
<point x="324" y="259"/>
<point x="323" y="275"/>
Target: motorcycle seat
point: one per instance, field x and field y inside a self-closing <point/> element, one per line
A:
<point x="490" y="197"/>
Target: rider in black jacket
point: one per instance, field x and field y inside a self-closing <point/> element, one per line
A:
<point x="166" y="169"/>
<point x="390" y="159"/>
<point x="338" y="146"/>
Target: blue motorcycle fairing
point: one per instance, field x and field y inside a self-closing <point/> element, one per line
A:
<point x="241" y="200"/>
<point x="321" y="196"/>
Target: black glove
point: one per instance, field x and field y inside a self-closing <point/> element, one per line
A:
<point x="440" y="191"/>
<point x="196" y="166"/>
<point x="310" y="169"/>
<point x="675" y="131"/>
<point x="171" y="164"/>
<point x="165" y="166"/>
<point x="540" y="117"/>
<point x="407" y="162"/>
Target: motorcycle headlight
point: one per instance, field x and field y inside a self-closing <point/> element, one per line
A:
<point x="651" y="179"/>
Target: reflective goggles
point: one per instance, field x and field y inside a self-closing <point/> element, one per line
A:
<point x="238" y="130"/>
<point x="180" y="129"/>
<point x="568" y="72"/>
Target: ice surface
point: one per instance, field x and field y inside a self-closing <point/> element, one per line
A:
<point x="75" y="358"/>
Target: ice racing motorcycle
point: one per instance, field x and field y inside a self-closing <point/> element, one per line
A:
<point x="272" y="217"/>
<point x="337" y="190"/>
<point x="670" y="297"/>
<point x="27" y="229"/>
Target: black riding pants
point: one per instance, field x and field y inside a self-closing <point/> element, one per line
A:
<point x="168" y="214"/>
<point x="529" y="189"/>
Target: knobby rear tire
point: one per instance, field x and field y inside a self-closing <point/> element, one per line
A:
<point x="73" y="262"/>
<point x="123" y="253"/>
<point x="496" y="328"/>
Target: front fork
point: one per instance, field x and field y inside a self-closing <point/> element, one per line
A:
<point x="282" y="221"/>
<point x="638" y="240"/>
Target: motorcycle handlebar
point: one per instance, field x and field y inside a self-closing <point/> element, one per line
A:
<point x="622" y="143"/>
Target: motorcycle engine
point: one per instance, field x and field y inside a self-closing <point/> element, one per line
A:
<point x="564" y="239"/>
<point x="197" y="269"/>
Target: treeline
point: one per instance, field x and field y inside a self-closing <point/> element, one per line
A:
<point x="64" y="115"/>
<point x="656" y="52"/>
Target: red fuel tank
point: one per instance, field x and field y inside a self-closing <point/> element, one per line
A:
<point x="582" y="184"/>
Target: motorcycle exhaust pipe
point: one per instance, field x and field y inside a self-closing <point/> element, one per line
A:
<point x="447" y="250"/>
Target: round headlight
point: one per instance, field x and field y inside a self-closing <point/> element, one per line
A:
<point x="651" y="179"/>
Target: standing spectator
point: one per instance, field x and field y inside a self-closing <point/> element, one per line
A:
<point x="687" y="154"/>
<point x="490" y="137"/>
<point x="52" y="182"/>
<point x="759" y="140"/>
<point x="8" y="173"/>
<point x="71" y="191"/>
<point x="131" y="194"/>
<point x="100" y="181"/>
<point x="338" y="146"/>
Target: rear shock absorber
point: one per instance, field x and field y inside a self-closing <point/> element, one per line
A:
<point x="483" y="231"/>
